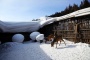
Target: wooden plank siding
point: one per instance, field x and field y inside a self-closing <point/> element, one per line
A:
<point x="77" y="30"/>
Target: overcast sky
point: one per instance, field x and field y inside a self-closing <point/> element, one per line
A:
<point x="26" y="10"/>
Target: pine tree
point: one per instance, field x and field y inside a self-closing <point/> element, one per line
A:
<point x="86" y="4"/>
<point x="75" y="7"/>
<point x="81" y="5"/>
<point x="70" y="9"/>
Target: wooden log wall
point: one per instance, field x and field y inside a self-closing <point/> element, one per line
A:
<point x="74" y="29"/>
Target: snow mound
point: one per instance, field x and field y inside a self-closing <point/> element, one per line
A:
<point x="18" y="38"/>
<point x="9" y="46"/>
<point x="40" y="37"/>
<point x="82" y="45"/>
<point x="33" y="35"/>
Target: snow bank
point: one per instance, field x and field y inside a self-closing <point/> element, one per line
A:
<point x="9" y="44"/>
<point x="7" y="47"/>
<point x="30" y="51"/>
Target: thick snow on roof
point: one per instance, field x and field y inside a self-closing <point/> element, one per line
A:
<point x="19" y="26"/>
<point x="78" y="13"/>
<point x="45" y="18"/>
<point x="37" y="51"/>
<point x="34" y="26"/>
<point x="24" y="26"/>
<point x="46" y="22"/>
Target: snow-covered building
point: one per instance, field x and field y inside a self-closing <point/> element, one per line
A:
<point x="74" y="26"/>
<point x="78" y="19"/>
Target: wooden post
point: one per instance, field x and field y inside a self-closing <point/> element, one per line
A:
<point x="76" y="32"/>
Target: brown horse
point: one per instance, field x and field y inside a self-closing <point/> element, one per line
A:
<point x="50" y="37"/>
<point x="56" y="39"/>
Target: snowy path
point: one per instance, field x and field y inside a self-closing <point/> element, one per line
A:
<point x="37" y="51"/>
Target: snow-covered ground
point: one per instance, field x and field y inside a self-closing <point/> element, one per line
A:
<point x="36" y="51"/>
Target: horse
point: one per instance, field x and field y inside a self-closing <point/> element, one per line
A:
<point x="56" y="39"/>
<point x="49" y="38"/>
